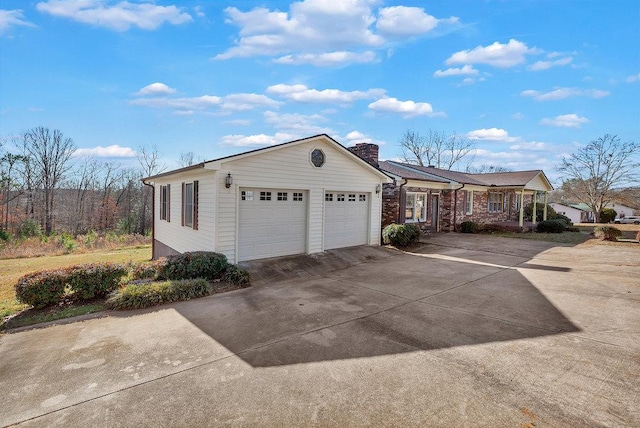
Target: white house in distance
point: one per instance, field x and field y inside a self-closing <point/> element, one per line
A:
<point x="304" y="196"/>
<point x="579" y="213"/>
<point x="621" y="209"/>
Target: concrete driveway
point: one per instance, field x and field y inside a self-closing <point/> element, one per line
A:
<point x="465" y="331"/>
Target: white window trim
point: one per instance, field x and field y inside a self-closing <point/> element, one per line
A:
<point x="468" y="202"/>
<point x="415" y="207"/>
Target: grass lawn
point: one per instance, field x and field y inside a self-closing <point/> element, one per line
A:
<point x="13" y="269"/>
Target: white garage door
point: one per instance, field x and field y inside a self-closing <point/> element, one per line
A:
<point x="346" y="219"/>
<point x="272" y="222"/>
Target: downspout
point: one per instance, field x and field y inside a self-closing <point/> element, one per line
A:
<point x="401" y="201"/>
<point x="153" y="218"/>
<point x="455" y="207"/>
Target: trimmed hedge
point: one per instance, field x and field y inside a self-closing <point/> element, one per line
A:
<point x="469" y="227"/>
<point x="551" y="226"/>
<point x="607" y="233"/>
<point x="198" y="264"/>
<point x="43" y="288"/>
<point x="401" y="235"/>
<point x="138" y="296"/>
<point x="91" y="281"/>
<point x="237" y="276"/>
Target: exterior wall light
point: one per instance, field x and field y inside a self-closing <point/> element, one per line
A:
<point x="377" y="188"/>
<point x="228" y="181"/>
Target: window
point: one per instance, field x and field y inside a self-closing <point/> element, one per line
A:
<point x="317" y="158"/>
<point x="246" y="195"/>
<point x="468" y="202"/>
<point x="297" y="196"/>
<point x="190" y="205"/>
<point x="495" y="202"/>
<point x="165" y="207"/>
<point x="362" y="198"/>
<point x="416" y="207"/>
<point x="340" y="197"/>
<point x="328" y="197"/>
<point x="352" y="198"/>
<point x="265" y="196"/>
<point x="282" y="196"/>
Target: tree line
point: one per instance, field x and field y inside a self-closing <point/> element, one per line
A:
<point x="44" y="187"/>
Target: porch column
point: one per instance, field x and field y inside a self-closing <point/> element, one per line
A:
<point x="544" y="214"/>
<point x="535" y="206"/>
<point x="521" y="223"/>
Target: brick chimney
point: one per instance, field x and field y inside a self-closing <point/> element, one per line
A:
<point x="366" y="151"/>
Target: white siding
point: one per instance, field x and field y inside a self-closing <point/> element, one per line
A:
<point x="572" y="213"/>
<point x="537" y="183"/>
<point x="290" y="168"/>
<point x="173" y="234"/>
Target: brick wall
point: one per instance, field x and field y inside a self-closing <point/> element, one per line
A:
<point x="481" y="205"/>
<point x="366" y="151"/>
<point x="390" y="204"/>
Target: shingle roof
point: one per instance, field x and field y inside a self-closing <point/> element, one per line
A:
<point x="517" y="178"/>
<point x="398" y="169"/>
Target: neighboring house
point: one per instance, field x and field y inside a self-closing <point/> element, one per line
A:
<point x="577" y="213"/>
<point x="442" y="199"/>
<point x="304" y="196"/>
<point x="621" y="210"/>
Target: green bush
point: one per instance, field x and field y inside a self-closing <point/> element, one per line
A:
<point x="137" y="296"/>
<point x="469" y="227"/>
<point x="550" y="226"/>
<point x="4" y="236"/>
<point x="42" y="288"/>
<point x="198" y="264"/>
<point x="91" y="281"/>
<point x="401" y="235"/>
<point x="528" y="211"/>
<point x="607" y="215"/>
<point x="30" y="228"/>
<point x="147" y="270"/>
<point x="567" y="221"/>
<point x="607" y="233"/>
<point x="67" y="242"/>
<point x="236" y="275"/>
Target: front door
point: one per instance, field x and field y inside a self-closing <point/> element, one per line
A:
<point x="435" y="209"/>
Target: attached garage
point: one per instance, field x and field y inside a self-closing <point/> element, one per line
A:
<point x="271" y="223"/>
<point x="275" y="201"/>
<point x="346" y="221"/>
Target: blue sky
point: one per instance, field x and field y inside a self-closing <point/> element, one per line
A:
<point x="528" y="81"/>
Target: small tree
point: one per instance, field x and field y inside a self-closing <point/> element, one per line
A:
<point x="595" y="171"/>
<point x="607" y="215"/>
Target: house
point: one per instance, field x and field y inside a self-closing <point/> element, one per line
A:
<point x="304" y="196"/>
<point x="621" y="210"/>
<point x="442" y="199"/>
<point x="577" y="213"/>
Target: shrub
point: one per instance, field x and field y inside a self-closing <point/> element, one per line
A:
<point x="146" y="270"/>
<point x="67" y="242"/>
<point x="528" y="211"/>
<point x="550" y="226"/>
<point x="566" y="220"/>
<point x="401" y="235"/>
<point x="4" y="236"/>
<point x="607" y="215"/>
<point x="469" y="227"/>
<point x="42" y="288"/>
<point x="198" y="264"/>
<point x="137" y="296"/>
<point x="91" y="281"/>
<point x="30" y="228"/>
<point x="236" y="275"/>
<point x="607" y="233"/>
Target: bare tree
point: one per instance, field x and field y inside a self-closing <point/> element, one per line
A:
<point x="486" y="169"/>
<point x="11" y="186"/>
<point x="596" y="172"/>
<point x="49" y="153"/>
<point x="188" y="159"/>
<point x="436" y="148"/>
<point x="149" y="160"/>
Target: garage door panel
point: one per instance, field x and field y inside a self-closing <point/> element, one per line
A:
<point x="346" y="221"/>
<point x="271" y="228"/>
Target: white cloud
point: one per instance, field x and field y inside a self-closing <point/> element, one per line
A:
<point x="406" y="108"/>
<point x="464" y="71"/>
<point x="517" y="116"/>
<point x="545" y="65"/>
<point x="12" y="18"/>
<point x="497" y="55"/>
<point x="193" y="103"/>
<point x="355" y="137"/>
<point x="405" y="21"/>
<point x="530" y="146"/>
<point x="114" y="151"/>
<point x="301" y="93"/>
<point x="238" y="122"/>
<point x="565" y="121"/>
<point x="247" y="101"/>
<point x="561" y="93"/>
<point x="156" y="89"/>
<point x="491" y="134"/>
<point x="328" y="59"/>
<point x="257" y="140"/>
<point x="633" y="78"/>
<point x="321" y="26"/>
<point x="299" y="124"/>
<point x="119" y="17"/>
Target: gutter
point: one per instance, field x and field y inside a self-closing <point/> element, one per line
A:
<point x="153" y="217"/>
<point x="455" y="207"/>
